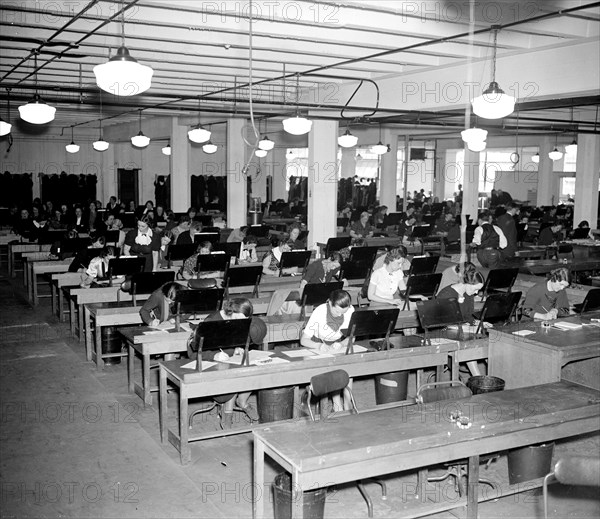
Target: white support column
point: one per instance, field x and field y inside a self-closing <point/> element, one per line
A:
<point x="322" y="181"/>
<point x="180" y="178"/>
<point x="389" y="168"/>
<point x="546" y="181"/>
<point x="237" y="203"/>
<point x="586" y="180"/>
<point x="470" y="183"/>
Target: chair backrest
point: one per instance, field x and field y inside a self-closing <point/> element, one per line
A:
<point x="591" y="301"/>
<point x="437" y="391"/>
<point x="336" y="244"/>
<point x="230" y="248"/>
<point x="425" y="265"/>
<point x="243" y="277"/>
<point x="298" y="258"/>
<point x="375" y="322"/>
<point x="180" y="252"/>
<point x="212" y="262"/>
<point x="198" y="300"/>
<point x="126" y="266"/>
<point x="425" y="285"/>
<point x="215" y="335"/>
<point x="499" y="308"/>
<point x="148" y="282"/>
<point x="500" y="279"/>
<point x="325" y="384"/>
<point x="212" y="237"/>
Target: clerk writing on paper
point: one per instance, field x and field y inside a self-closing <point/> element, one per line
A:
<point x="158" y="307"/>
<point x="548" y="300"/>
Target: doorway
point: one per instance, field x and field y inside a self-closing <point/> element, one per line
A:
<point x="128" y="185"/>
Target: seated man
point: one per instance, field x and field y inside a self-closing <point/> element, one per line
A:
<point x="489" y="240"/>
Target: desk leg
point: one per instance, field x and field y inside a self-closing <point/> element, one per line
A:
<point x="11" y="260"/>
<point x="130" y="364"/>
<point x="473" y="487"/>
<point x="185" y="452"/>
<point x="98" y="346"/>
<point x="146" y="380"/>
<point x="80" y="323"/>
<point x="34" y="288"/>
<point x="26" y="274"/>
<point x="454" y="366"/>
<point x="259" y="488"/>
<point x="53" y="297"/>
<point x="72" y="315"/>
<point x="297" y="497"/>
<point x="87" y="325"/>
<point x="61" y="304"/>
<point x="162" y="406"/>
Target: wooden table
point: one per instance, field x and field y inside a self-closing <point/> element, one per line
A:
<point x="57" y="282"/>
<point x="40" y="268"/>
<point x="331" y="452"/>
<point x="542" y="267"/>
<point x="16" y="248"/>
<point x="225" y="378"/>
<point x="548" y="355"/>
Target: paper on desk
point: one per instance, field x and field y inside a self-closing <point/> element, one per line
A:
<point x="205" y="365"/>
<point x="438" y="340"/>
<point x="302" y="352"/>
<point x="271" y="360"/>
<point x="523" y="333"/>
<point x="155" y="332"/>
<point x="185" y="327"/>
<point x="322" y="356"/>
<point x="254" y="356"/>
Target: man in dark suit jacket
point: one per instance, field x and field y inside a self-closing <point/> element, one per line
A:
<point x="507" y="223"/>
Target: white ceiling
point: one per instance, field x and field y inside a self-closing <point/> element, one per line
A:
<point x="203" y="49"/>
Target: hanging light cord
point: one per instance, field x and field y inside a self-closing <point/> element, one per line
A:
<point x="494" y="54"/>
<point x="122" y="25"/>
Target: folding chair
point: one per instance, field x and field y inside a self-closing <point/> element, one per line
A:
<point x="499" y="280"/>
<point x="294" y="259"/>
<point x="372" y="322"/>
<point x="243" y="277"/>
<point x="591" y="302"/>
<point x="336" y="244"/>
<point x="315" y="294"/>
<point x="425" y="265"/>
<point x="321" y="387"/>
<point x="425" y="285"/>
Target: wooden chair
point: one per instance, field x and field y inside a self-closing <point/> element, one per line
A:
<point x="322" y="387"/>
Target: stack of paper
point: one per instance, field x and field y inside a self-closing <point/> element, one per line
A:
<point x="567" y="326"/>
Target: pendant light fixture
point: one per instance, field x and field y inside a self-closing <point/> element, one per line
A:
<point x="265" y="143"/>
<point x="493" y="103"/>
<point x="100" y="144"/>
<point x="477" y="146"/>
<point x="536" y="158"/>
<point x="72" y="148"/>
<point x="297" y="125"/>
<point x="36" y="111"/>
<point x="198" y="133"/>
<point x="260" y="153"/>
<point x="122" y="75"/>
<point x="5" y="126"/>
<point x="167" y="149"/>
<point x="209" y="148"/>
<point x="347" y="140"/>
<point x="555" y="154"/>
<point x="473" y="135"/>
<point x="140" y="140"/>
<point x="571" y="149"/>
<point x="379" y="148"/>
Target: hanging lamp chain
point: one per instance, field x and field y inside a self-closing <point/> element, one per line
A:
<point x="35" y="70"/>
<point x="122" y="25"/>
<point x="494" y="54"/>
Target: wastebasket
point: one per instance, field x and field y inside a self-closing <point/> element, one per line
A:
<point x="391" y="387"/>
<point x="485" y="384"/>
<point x="275" y="404"/>
<point x="314" y="500"/>
<point x="532" y="462"/>
<point x="111" y="343"/>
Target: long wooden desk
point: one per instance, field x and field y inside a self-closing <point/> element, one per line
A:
<point x="331" y="452"/>
<point x="57" y="282"/>
<point x="541" y="267"/>
<point x="40" y="268"/>
<point x="280" y="328"/>
<point x="547" y="355"/>
<point x="16" y="248"/>
<point x="225" y="378"/>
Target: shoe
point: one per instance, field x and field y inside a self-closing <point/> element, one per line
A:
<point x="251" y="412"/>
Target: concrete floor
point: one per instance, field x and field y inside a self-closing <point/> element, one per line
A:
<point x="75" y="443"/>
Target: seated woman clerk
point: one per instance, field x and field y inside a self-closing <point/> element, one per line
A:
<point x="548" y="300"/>
<point x="188" y="271"/>
<point x="272" y="260"/>
<point x="325" y="328"/>
<point x="158" y="308"/>
<point x="294" y="231"/>
<point x="144" y="242"/>
<point x="248" y="249"/>
<point x="238" y="308"/>
<point x="387" y="282"/>
<point x="98" y="266"/>
<point x="464" y="290"/>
